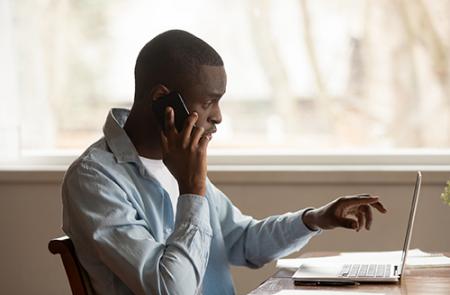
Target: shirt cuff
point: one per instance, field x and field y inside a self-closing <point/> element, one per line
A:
<point x="298" y="227"/>
<point x="301" y="218"/>
<point x="193" y="209"/>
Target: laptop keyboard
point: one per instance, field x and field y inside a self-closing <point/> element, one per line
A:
<point x="366" y="270"/>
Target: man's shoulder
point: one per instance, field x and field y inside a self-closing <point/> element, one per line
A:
<point x="96" y="158"/>
<point x="214" y="194"/>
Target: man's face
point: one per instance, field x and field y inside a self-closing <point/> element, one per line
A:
<point x="203" y="95"/>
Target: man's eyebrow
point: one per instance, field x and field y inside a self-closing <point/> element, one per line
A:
<point x="215" y="94"/>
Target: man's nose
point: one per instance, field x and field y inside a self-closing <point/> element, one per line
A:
<point x="216" y="116"/>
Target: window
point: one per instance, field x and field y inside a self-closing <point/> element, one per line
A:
<point x="303" y="75"/>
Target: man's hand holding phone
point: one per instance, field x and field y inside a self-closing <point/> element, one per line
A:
<point x="184" y="153"/>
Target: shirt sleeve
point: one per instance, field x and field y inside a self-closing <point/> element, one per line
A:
<point x="253" y="243"/>
<point x="103" y="219"/>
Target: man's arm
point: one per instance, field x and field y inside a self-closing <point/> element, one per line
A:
<point x="105" y="225"/>
<point x="184" y="154"/>
<point x="253" y="242"/>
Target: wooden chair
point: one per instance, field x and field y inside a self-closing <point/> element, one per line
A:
<point x="77" y="278"/>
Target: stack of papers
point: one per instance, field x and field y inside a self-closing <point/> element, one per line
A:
<point x="416" y="259"/>
<point x="322" y="292"/>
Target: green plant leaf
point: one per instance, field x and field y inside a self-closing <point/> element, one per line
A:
<point x="445" y="196"/>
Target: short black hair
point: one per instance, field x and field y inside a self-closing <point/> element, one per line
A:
<point x="172" y="58"/>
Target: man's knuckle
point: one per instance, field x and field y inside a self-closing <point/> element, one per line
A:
<point x="201" y="150"/>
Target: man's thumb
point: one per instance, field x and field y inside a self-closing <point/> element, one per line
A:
<point x="348" y="223"/>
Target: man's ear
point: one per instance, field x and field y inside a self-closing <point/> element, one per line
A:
<point x="157" y="91"/>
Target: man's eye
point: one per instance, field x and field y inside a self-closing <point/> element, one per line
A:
<point x="207" y="104"/>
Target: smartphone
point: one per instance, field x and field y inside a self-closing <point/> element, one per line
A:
<point x="174" y="100"/>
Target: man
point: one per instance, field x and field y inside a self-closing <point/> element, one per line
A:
<point x="142" y="214"/>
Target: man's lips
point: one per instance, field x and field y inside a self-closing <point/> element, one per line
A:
<point x="210" y="132"/>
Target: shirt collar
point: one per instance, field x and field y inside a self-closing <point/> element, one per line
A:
<point x="116" y="137"/>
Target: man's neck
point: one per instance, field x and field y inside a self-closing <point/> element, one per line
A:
<point x="144" y="135"/>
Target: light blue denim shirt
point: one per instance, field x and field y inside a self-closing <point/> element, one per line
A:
<point x="121" y="222"/>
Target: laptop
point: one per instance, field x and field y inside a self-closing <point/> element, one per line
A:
<point x="341" y="273"/>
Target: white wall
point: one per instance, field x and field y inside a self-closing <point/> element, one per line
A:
<point x="30" y="214"/>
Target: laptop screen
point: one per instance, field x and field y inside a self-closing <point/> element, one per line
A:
<point x="412" y="214"/>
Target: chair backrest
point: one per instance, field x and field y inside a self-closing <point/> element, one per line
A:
<point x="65" y="248"/>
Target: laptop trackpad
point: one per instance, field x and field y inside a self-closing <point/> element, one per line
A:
<point x="318" y="271"/>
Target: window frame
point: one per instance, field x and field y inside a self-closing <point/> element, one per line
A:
<point x="275" y="160"/>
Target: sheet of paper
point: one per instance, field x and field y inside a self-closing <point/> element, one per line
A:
<point x="416" y="258"/>
<point x="424" y="262"/>
<point x="323" y="292"/>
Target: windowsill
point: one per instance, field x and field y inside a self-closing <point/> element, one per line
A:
<point x="285" y="157"/>
<point x="267" y="174"/>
